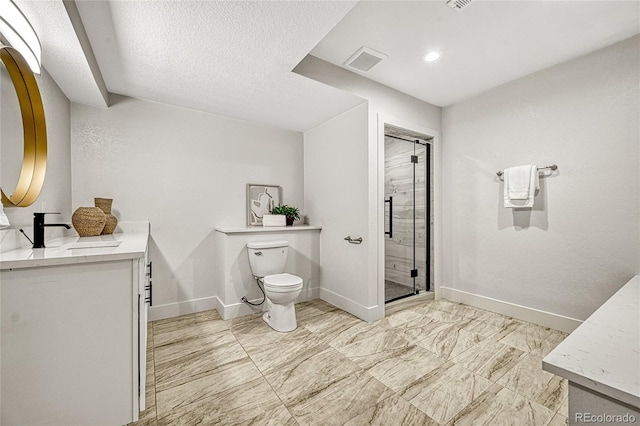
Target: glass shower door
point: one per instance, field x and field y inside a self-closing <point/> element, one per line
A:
<point x="405" y="213"/>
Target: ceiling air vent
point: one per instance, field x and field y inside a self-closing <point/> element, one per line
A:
<point x="458" y="4"/>
<point x="365" y="59"/>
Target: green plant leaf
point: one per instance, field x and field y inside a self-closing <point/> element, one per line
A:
<point x="286" y="210"/>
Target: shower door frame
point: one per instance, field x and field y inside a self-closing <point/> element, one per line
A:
<point x="425" y="165"/>
<point x="436" y="207"/>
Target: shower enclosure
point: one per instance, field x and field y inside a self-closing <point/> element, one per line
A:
<point x="408" y="219"/>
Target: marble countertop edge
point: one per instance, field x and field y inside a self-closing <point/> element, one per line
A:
<point x="603" y="353"/>
<point x="76" y="259"/>
<point x="133" y="245"/>
<point x="578" y="378"/>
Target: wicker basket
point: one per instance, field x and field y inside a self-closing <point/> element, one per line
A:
<point x="88" y="221"/>
<point x="110" y="225"/>
<point x="105" y="205"/>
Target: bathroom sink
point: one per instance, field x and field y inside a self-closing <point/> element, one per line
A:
<point x="92" y="244"/>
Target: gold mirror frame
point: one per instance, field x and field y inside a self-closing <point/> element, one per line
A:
<point x="34" y="161"/>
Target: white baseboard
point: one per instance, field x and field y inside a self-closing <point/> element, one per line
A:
<point x="240" y="309"/>
<point x="183" y="308"/>
<point x="438" y="292"/>
<point x="233" y="310"/>
<point x="524" y="313"/>
<point x="368" y="314"/>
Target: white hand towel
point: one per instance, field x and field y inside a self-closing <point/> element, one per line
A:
<point x="518" y="182"/>
<point x="515" y="188"/>
<point x="4" y="220"/>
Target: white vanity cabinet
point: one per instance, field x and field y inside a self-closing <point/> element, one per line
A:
<point x="145" y="297"/>
<point x="73" y="341"/>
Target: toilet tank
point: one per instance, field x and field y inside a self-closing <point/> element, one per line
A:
<point x="267" y="257"/>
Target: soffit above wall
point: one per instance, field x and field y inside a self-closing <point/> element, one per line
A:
<point x="66" y="52"/>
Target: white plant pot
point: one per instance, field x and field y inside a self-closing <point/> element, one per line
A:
<point x="274" y="220"/>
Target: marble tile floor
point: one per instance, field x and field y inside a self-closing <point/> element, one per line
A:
<point x="431" y="363"/>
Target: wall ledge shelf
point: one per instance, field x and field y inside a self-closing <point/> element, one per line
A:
<point x="261" y="229"/>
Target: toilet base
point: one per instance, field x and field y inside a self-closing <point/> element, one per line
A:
<point x="281" y="318"/>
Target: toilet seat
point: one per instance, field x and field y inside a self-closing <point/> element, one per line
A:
<point x="282" y="282"/>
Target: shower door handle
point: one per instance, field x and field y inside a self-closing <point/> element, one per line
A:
<point x="390" y="231"/>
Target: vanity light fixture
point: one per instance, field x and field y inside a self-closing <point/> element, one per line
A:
<point x="19" y="33"/>
<point x="433" y="56"/>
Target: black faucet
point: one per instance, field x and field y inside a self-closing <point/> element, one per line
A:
<point x="38" y="228"/>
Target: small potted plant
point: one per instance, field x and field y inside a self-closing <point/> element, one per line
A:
<point x="291" y="213"/>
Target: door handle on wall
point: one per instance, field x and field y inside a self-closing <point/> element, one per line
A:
<point x="390" y="232"/>
<point x="353" y="240"/>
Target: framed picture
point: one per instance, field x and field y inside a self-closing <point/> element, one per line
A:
<point x="260" y="200"/>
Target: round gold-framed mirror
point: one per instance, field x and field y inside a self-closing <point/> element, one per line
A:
<point x="34" y="160"/>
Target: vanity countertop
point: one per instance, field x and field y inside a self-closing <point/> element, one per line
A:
<point x="603" y="354"/>
<point x="257" y="229"/>
<point x="130" y="244"/>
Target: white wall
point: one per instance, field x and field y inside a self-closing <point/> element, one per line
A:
<point x="393" y="106"/>
<point x="184" y="171"/>
<point x="336" y="197"/>
<point x="56" y="191"/>
<point x="580" y="242"/>
<point x="386" y="105"/>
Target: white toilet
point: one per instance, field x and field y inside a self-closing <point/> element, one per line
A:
<point x="267" y="260"/>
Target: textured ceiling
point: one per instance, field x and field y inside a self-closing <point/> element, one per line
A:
<point x="232" y="58"/>
<point x="486" y="44"/>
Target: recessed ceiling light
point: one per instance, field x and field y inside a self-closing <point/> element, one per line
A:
<point x="432" y="56"/>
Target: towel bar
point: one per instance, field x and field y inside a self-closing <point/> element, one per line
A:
<point x="552" y="167"/>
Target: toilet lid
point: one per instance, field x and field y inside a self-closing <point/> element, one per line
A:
<point x="282" y="280"/>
